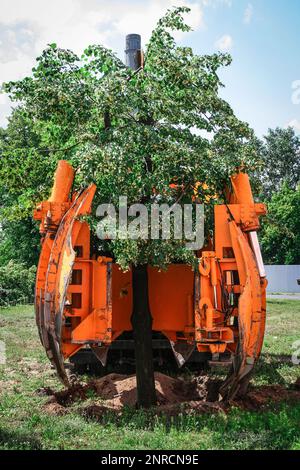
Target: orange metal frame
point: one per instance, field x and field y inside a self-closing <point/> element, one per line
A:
<point x="85" y="301"/>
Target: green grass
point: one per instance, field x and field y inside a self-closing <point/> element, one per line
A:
<point x="25" y="425"/>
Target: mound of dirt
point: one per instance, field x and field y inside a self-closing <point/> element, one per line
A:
<point x="200" y="395"/>
<point x="120" y="390"/>
<point x="117" y="391"/>
<point x="55" y="409"/>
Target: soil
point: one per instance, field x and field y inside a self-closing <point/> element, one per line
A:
<point x="55" y="409"/>
<point x="260" y="397"/>
<point x="118" y="390"/>
<point x="198" y="395"/>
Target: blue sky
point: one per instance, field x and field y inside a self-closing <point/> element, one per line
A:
<point x="261" y="35"/>
<point x="266" y="58"/>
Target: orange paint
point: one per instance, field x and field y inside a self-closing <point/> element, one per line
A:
<point x="83" y="301"/>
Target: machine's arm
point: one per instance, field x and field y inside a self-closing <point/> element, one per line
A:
<point x="58" y="226"/>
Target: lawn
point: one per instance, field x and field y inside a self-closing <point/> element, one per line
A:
<point x="26" y="425"/>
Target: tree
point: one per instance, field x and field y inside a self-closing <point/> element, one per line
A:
<point x="281" y="160"/>
<point x="19" y="238"/>
<point x="16" y="283"/>
<point x="21" y="172"/>
<point x="133" y="134"/>
<point x="280" y="236"/>
<point x="26" y="166"/>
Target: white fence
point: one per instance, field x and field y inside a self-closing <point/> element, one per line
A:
<point x="283" y="279"/>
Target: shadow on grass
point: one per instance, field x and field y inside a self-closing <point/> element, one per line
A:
<point x="16" y="440"/>
<point x="268" y="368"/>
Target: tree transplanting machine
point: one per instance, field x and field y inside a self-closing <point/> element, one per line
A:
<point x="84" y="302"/>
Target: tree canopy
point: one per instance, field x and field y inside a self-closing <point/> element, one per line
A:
<point x="131" y="132"/>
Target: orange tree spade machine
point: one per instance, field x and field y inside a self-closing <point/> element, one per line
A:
<point x="85" y="302"/>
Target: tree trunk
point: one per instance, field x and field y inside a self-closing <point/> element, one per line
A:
<point x="142" y="331"/>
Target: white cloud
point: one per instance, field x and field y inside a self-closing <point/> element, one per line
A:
<point x="296" y="92"/>
<point x="144" y="17"/>
<point x="37" y="10"/>
<point x="77" y="23"/>
<point x="5" y="107"/>
<point x="295" y="124"/>
<point x="248" y="14"/>
<point x="16" y="69"/>
<point x="26" y="27"/>
<point x="224" y="43"/>
<point x="2" y="98"/>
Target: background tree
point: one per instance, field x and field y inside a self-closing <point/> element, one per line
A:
<point x="132" y="133"/>
<point x="280" y="153"/>
<point x="25" y="175"/>
<point x="280" y="237"/>
<point x="276" y="182"/>
<point x="19" y="237"/>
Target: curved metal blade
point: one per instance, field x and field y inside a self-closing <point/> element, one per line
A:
<point x="251" y="317"/>
<point x="50" y="303"/>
